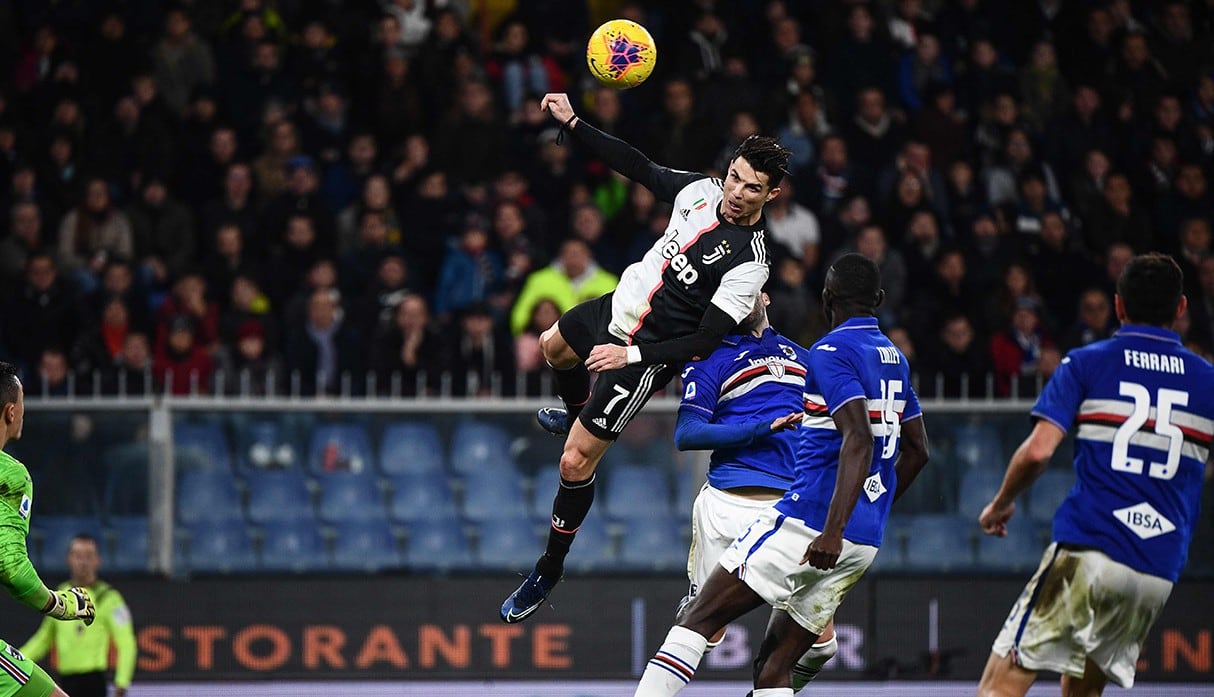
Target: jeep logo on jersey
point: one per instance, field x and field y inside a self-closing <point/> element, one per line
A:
<point x="683" y="270"/>
<point x="1144" y="521"/>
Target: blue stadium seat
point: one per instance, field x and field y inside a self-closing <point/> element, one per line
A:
<point x="410" y="447"/>
<point x="978" y="487"/>
<point x="421" y="496"/>
<point x="507" y="544"/>
<point x="126" y="484"/>
<point x="223" y="546"/>
<point x="543" y="488"/>
<point x="1049" y="491"/>
<point x="687" y="486"/>
<point x="653" y="544"/>
<point x="293" y="545"/>
<point x="438" y="546"/>
<point x="347" y="496"/>
<point x="130" y="544"/>
<point x="340" y="447"/>
<point x="978" y="446"/>
<point x="207" y="495"/>
<point x="493" y="493"/>
<point x="203" y="443"/>
<point x="637" y="492"/>
<point x="278" y="495"/>
<point x="593" y="549"/>
<point x="939" y="542"/>
<point x="365" y="545"/>
<point x="892" y="554"/>
<point x="266" y="443"/>
<point x="479" y="446"/>
<point x="1020" y="551"/>
<point x="56" y="533"/>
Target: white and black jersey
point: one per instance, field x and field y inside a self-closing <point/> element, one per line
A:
<point x="701" y="260"/>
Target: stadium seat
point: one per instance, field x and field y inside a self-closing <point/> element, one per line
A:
<point x="203" y="443"/>
<point x="477" y="446"/>
<point x="1019" y="552"/>
<point x="223" y="546"/>
<point x="507" y="544"/>
<point x="293" y="545"/>
<point x="263" y="443"/>
<point x="1049" y="491"/>
<point x="348" y="496"/>
<point x="543" y="488"/>
<point x="494" y="493"/>
<point x="126" y="484"/>
<point x="421" y="496"/>
<point x="55" y="533"/>
<point x="278" y="495"/>
<point x="365" y="545"/>
<point x="978" y="445"/>
<point x="892" y="555"/>
<point x="593" y="549"/>
<point x="410" y="447"/>
<point x="653" y="544"/>
<point x="687" y="486"/>
<point x="438" y="546"/>
<point x="978" y="487"/>
<point x="207" y="495"/>
<point x="637" y="492"/>
<point x="340" y="447"/>
<point x="939" y="542"/>
<point x="130" y="547"/>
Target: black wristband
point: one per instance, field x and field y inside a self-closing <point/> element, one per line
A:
<point x="560" y="136"/>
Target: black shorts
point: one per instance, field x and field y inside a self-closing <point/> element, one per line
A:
<point x="617" y="395"/>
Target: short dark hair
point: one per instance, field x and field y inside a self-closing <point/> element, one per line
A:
<point x="10" y="384"/>
<point x="1151" y="287"/>
<point x="856" y="281"/>
<point x="84" y="537"/>
<point x="766" y="155"/>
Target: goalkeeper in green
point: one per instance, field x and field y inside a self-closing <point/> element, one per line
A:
<point x="19" y="676"/>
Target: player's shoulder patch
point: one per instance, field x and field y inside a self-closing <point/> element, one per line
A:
<point x="24" y="508"/>
<point x="121" y="615"/>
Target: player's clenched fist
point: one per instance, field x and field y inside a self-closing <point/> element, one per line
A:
<point x="557" y="104"/>
<point x="71" y="604"/>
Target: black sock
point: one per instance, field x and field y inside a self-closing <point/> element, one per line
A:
<point x="573" y="387"/>
<point x="569" y="509"/>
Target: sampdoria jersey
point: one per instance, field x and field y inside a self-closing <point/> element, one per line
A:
<point x="701" y="259"/>
<point x="854" y="361"/>
<point x="749" y="379"/>
<point x="1145" y="409"/>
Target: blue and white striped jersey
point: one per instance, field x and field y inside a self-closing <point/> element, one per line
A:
<point x="854" y="361"/>
<point x="1145" y="409"/>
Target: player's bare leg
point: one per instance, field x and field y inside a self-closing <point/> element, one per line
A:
<point x="1090" y="685"/>
<point x="723" y="599"/>
<point x="1003" y="678"/>
<point x="783" y="646"/>
<point x="572" y="382"/>
<point x="811" y="661"/>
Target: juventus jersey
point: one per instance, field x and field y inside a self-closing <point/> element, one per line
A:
<point x="701" y="259"/>
<point x="1145" y="415"/>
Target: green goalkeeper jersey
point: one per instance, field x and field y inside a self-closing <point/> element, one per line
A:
<point x="17" y="574"/>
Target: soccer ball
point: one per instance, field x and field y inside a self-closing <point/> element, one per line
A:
<point x="621" y="54"/>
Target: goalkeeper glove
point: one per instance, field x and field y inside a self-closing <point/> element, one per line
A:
<point x="71" y="604"/>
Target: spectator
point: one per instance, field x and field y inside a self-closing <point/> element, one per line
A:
<point x="188" y="300"/>
<point x="181" y="59"/>
<point x="986" y="251"/>
<point x="163" y="233"/>
<point x="236" y="206"/>
<point x="573" y="278"/>
<point x="247" y="303"/>
<point x="41" y="313"/>
<point x="871" y="242"/>
<point x="966" y="200"/>
<point x="484" y="349"/>
<point x="984" y="78"/>
<point x="54" y="376"/>
<point x="247" y="368"/>
<point x="1043" y="89"/>
<point x="937" y="124"/>
<point x="358" y="265"/>
<point x="793" y="226"/>
<point x="301" y="198"/>
<point x="407" y="357"/>
<point x="326" y="125"/>
<point x="1096" y="321"/>
<point x="181" y="365"/>
<point x="1087" y="185"/>
<point x="290" y="263"/>
<point x="346" y="179"/>
<point x="921" y="247"/>
<point x="951" y="292"/>
<point x="323" y="352"/>
<point x="529" y="358"/>
<point x="1188" y="198"/>
<point x="921" y="66"/>
<point x="1017" y="284"/>
<point x="802" y="132"/>
<point x="517" y="68"/>
<point x="471" y="144"/>
<point x="863" y="59"/>
<point x="24" y="238"/>
<point x="1117" y="219"/>
<point x="1062" y="269"/>
<point x="228" y="261"/>
<point x="1201" y="306"/>
<point x="1195" y="245"/>
<point x="835" y="178"/>
<point x="321" y="275"/>
<point x="91" y="233"/>
<point x="678" y="136"/>
<point x="1033" y="204"/>
<point x="411" y="17"/>
<point x="376" y="197"/>
<point x="958" y="365"/>
<point x="794" y="311"/>
<point x="118" y="281"/>
<point x="270" y="167"/>
<point x="100" y="345"/>
<point x="375" y="308"/>
<point x="397" y="109"/>
<point x="1017" y="352"/>
<point x="471" y="272"/>
<point x="1017" y="161"/>
<point x="131" y="373"/>
<point x="873" y="137"/>
<point x="587" y="225"/>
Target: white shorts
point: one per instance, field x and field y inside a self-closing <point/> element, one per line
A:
<point x="1079" y="605"/>
<point x="717" y="519"/>
<point x="768" y="559"/>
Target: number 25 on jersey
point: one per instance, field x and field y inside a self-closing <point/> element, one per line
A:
<point x="1165" y="400"/>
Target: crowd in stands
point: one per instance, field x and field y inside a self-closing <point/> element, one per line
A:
<point x="363" y="196"/>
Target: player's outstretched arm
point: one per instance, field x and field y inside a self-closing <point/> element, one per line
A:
<point x="694" y="431"/>
<point x="715" y="324"/>
<point x="20" y="579"/>
<point x="1028" y="462"/>
<point x="855" y="458"/>
<point x="665" y="183"/>
<point x="912" y="454"/>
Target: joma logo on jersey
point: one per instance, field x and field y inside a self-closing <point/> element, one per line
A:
<point x="683" y="270"/>
<point x="1144" y="521"/>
